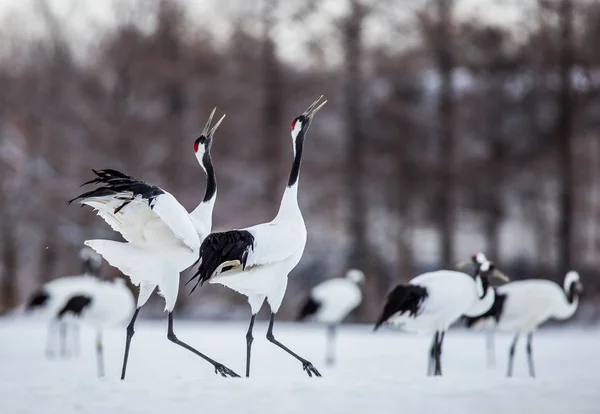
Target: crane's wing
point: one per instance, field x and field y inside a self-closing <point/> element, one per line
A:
<point x="137" y="209"/>
<point x="274" y="242"/>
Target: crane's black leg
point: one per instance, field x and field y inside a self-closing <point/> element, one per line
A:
<point x="330" y="358"/>
<point x="511" y="356"/>
<point x="490" y="348"/>
<point x="438" y="354"/>
<point x="432" y="351"/>
<point x="99" y="353"/>
<point x="306" y="365"/>
<point x="530" y="355"/>
<point x="249" y="339"/>
<point x="219" y="368"/>
<point x="130" y="333"/>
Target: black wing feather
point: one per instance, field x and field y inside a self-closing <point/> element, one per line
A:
<point x="115" y="183"/>
<point x="75" y="305"/>
<point x="403" y="298"/>
<point x="494" y="312"/>
<point x="218" y="248"/>
<point x="38" y="299"/>
<point x="309" y="308"/>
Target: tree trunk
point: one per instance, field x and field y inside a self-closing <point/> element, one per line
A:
<point x="9" y="295"/>
<point x="357" y="228"/>
<point x="48" y="257"/>
<point x="566" y="105"/>
<point x="271" y="109"/>
<point x="446" y="114"/>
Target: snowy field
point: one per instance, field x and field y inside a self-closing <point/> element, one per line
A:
<point x="382" y="372"/>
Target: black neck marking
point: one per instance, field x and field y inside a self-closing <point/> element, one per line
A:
<point x="211" y="180"/>
<point x="90" y="268"/>
<point x="571" y="294"/>
<point x="297" y="159"/>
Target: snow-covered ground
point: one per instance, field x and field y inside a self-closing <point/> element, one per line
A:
<point x="376" y="372"/>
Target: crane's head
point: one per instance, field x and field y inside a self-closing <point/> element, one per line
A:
<point x="573" y="283"/>
<point x="301" y="123"/>
<point x="355" y="275"/>
<point x="90" y="260"/>
<point x="203" y="143"/>
<point x="477" y="259"/>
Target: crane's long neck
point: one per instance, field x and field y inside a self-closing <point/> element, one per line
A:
<point x="90" y="268"/>
<point x="289" y="201"/>
<point x="570" y="305"/>
<point x="202" y="215"/>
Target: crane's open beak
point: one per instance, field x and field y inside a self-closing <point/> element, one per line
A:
<point x="314" y="107"/>
<point x="213" y="129"/>
<point x="501" y="276"/>
<point x="208" y="131"/>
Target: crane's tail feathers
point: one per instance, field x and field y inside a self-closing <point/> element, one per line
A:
<point x="403" y="300"/>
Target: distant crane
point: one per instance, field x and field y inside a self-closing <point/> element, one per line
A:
<point x="52" y="296"/>
<point x="256" y="261"/>
<point x="330" y="302"/>
<point x="100" y="304"/>
<point x="162" y="238"/>
<point x="523" y="305"/>
<point x="431" y="302"/>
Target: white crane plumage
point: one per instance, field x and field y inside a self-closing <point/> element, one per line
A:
<point x="162" y="238"/>
<point x="256" y="261"/>
<point x="431" y="302"/>
<point x="330" y="302"/>
<point x="47" y="300"/>
<point x="521" y="306"/>
<point x="100" y="304"/>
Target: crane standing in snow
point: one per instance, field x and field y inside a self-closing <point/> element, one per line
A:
<point x="523" y="305"/>
<point x="100" y="304"/>
<point x="52" y="296"/>
<point x="256" y="261"/>
<point x="330" y="302"/>
<point x="162" y="238"/>
<point x="431" y="302"/>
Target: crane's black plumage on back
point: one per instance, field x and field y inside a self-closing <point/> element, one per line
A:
<point x="494" y="312"/>
<point x="115" y="182"/>
<point x="75" y="305"/>
<point x="309" y="308"/>
<point x="403" y="298"/>
<point x="218" y="248"/>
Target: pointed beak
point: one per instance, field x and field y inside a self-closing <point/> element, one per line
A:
<point x="462" y="265"/>
<point x="214" y="128"/>
<point x="314" y="107"/>
<point x="207" y="126"/>
<point x="501" y="276"/>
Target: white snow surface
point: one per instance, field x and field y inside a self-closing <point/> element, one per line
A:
<point x="381" y="372"/>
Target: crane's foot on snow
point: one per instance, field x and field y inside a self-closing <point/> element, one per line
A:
<point x="224" y="371"/>
<point x="310" y="369"/>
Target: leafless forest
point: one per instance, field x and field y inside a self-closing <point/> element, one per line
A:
<point x="444" y="135"/>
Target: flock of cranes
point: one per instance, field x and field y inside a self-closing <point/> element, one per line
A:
<point x="162" y="239"/>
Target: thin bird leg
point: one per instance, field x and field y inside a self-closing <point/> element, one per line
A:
<point x="75" y="339"/>
<point x="491" y="349"/>
<point x="331" y="331"/>
<point x="511" y="355"/>
<point x="99" y="353"/>
<point x="130" y="333"/>
<point x="51" y="339"/>
<point x="249" y="339"/>
<point x="63" y="338"/>
<point x="219" y="368"/>
<point x="438" y="355"/>
<point x="432" y="351"/>
<point x="306" y="365"/>
<point x="530" y="355"/>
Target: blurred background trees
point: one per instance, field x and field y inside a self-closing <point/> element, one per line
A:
<point x="448" y="131"/>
